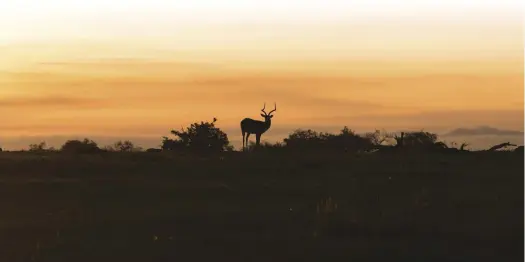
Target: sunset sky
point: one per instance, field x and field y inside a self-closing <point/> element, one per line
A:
<point x="136" y="69"/>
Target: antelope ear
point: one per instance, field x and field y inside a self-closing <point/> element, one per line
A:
<point x="263" y="115"/>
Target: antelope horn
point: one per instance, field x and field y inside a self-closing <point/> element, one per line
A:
<point x="274" y="110"/>
<point x="263" y="109"/>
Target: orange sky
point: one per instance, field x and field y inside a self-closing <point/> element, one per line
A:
<point x="140" y="79"/>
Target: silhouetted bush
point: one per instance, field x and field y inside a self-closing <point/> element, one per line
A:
<point x="40" y="147"/>
<point x="200" y="137"/>
<point x="304" y="139"/>
<point x="123" y="146"/>
<point x="169" y="144"/>
<point x="347" y="141"/>
<point x="380" y="137"/>
<point x="77" y="146"/>
<point x="422" y="139"/>
<point x="37" y="147"/>
<point x="265" y="146"/>
<point x="418" y="140"/>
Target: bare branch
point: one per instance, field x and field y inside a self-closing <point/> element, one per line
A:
<point x="502" y="145"/>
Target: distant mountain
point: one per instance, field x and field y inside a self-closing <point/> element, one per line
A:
<point x="483" y="131"/>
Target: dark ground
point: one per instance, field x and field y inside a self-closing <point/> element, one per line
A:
<point x="261" y="207"/>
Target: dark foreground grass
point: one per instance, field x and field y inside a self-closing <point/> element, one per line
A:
<point x="261" y="207"/>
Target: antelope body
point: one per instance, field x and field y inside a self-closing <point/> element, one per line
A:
<point x="250" y="126"/>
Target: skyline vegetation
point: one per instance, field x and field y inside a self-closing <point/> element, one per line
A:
<point x="204" y="136"/>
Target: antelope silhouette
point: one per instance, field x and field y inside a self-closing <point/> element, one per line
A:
<point x="250" y="126"/>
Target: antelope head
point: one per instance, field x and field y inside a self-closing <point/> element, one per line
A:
<point x="268" y="116"/>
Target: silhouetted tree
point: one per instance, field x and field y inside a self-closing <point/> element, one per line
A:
<point x="418" y="140"/>
<point x="40" y="147"/>
<point x="77" y="146"/>
<point x="379" y="137"/>
<point x="202" y="137"/>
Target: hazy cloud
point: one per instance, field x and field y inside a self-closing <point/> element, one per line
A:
<point x="434" y="121"/>
<point x="483" y="130"/>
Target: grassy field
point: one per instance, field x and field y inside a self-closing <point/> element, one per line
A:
<point x="261" y="207"/>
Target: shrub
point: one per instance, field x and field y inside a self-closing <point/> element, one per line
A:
<point x="418" y="140"/>
<point x="265" y="146"/>
<point x="123" y="146"/>
<point x="40" y="147"/>
<point x="346" y="141"/>
<point x="200" y="137"/>
<point x="77" y="146"/>
<point x="304" y="139"/>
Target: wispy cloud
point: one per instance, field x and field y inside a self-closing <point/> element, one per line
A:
<point x="50" y="101"/>
<point x="137" y="96"/>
